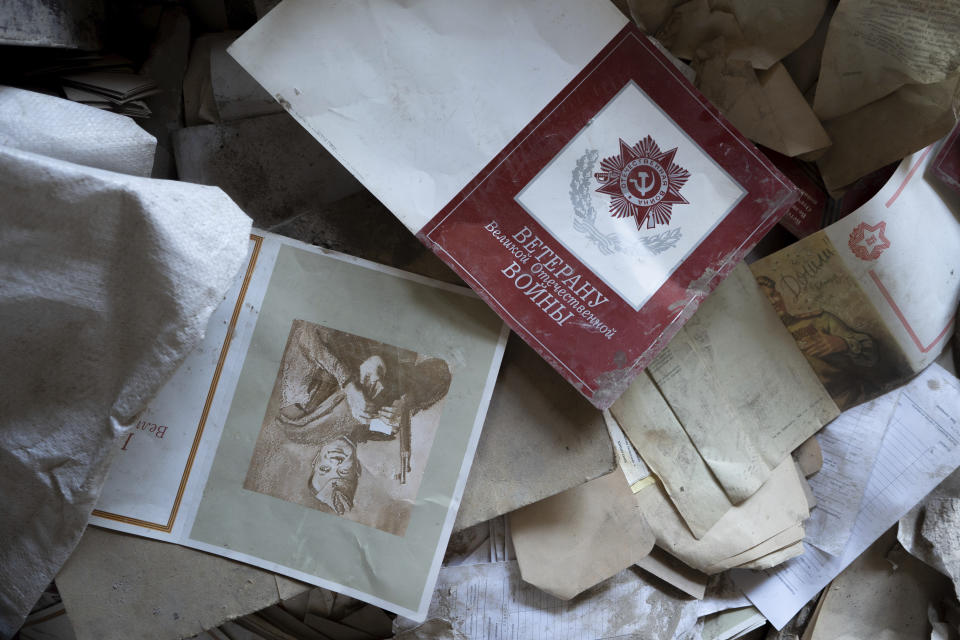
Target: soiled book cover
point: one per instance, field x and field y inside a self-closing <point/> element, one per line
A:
<point x="549" y="153"/>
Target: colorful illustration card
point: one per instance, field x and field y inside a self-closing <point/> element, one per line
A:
<point x="324" y="429"/>
<point x="871" y="299"/>
<point x="546" y="150"/>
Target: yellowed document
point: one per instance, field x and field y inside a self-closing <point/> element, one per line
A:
<point x="653" y="429"/>
<point x="809" y="456"/>
<point x="874" y="47"/>
<point x="776" y="558"/>
<point x="671" y="570"/>
<point x="758" y="31"/>
<point x="774" y="28"/>
<point x="746" y="424"/>
<point x="788" y="537"/>
<point x="910" y="118"/>
<point x="778" y="505"/>
<point x="576" y="539"/>
<point x="651" y="14"/>
<point x="766" y="106"/>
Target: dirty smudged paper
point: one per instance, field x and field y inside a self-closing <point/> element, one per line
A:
<point x="766" y="106"/>
<point x="653" y="429"/>
<point x="779" y="505"/>
<point x="574" y="540"/>
<point x="849" y="446"/>
<point x="920" y="447"/>
<point x="745" y="425"/>
<point x="758" y="31"/>
<point x="874" y="47"/>
<point x="492" y="602"/>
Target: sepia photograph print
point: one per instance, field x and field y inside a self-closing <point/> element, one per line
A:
<point x="349" y="426"/>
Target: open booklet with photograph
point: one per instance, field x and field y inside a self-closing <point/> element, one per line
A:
<point x="323" y="430"/>
<point x="870" y="300"/>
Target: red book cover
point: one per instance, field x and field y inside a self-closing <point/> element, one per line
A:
<point x="807" y="213"/>
<point x="599" y="228"/>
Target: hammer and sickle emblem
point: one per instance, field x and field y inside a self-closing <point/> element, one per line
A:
<point x="644" y="186"/>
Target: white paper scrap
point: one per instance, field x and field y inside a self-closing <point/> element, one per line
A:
<point x="849" y="446"/>
<point x="491" y="602"/>
<point x="920" y="448"/>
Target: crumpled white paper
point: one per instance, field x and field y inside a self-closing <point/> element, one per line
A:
<point x="107" y="282"/>
<point x="75" y="132"/>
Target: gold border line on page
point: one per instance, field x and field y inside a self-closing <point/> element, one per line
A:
<point x="166" y="528"/>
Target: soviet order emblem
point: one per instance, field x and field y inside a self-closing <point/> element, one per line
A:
<point x="867" y="242"/>
<point x="643" y="182"/>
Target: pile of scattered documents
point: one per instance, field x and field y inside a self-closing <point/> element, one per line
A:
<point x="475" y="321"/>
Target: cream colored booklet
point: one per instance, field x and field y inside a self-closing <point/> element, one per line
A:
<point x="324" y="429"/>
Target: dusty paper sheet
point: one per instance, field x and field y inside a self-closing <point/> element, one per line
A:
<point x="809" y="456"/>
<point x="786" y="538"/>
<point x="492" y="602"/>
<point x="721" y="595"/>
<point x="911" y="118"/>
<point x="576" y="539"/>
<point x="74" y="132"/>
<point x="849" y="446"/>
<point x="661" y="564"/>
<point x="931" y="530"/>
<point x="118" y="587"/>
<point x="765" y="106"/>
<point x="883" y="594"/>
<point x="889" y="67"/>
<point x="743" y="425"/>
<point x="921" y="446"/>
<point x="779" y="505"/>
<point x="532" y="409"/>
<point x="874" y="47"/>
<point x="730" y="625"/>
<point x="759" y="32"/>
<point x="653" y="429"/>
<point x="775" y="558"/>
<point x="109" y="279"/>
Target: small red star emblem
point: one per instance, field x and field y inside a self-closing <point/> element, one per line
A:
<point x="643" y="182"/>
<point x="868" y="242"/>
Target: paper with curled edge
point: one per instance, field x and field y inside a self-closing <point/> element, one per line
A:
<point x="569" y="542"/>
<point x="743" y="425"/>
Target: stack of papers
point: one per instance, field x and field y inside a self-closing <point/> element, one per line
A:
<point x="116" y="91"/>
